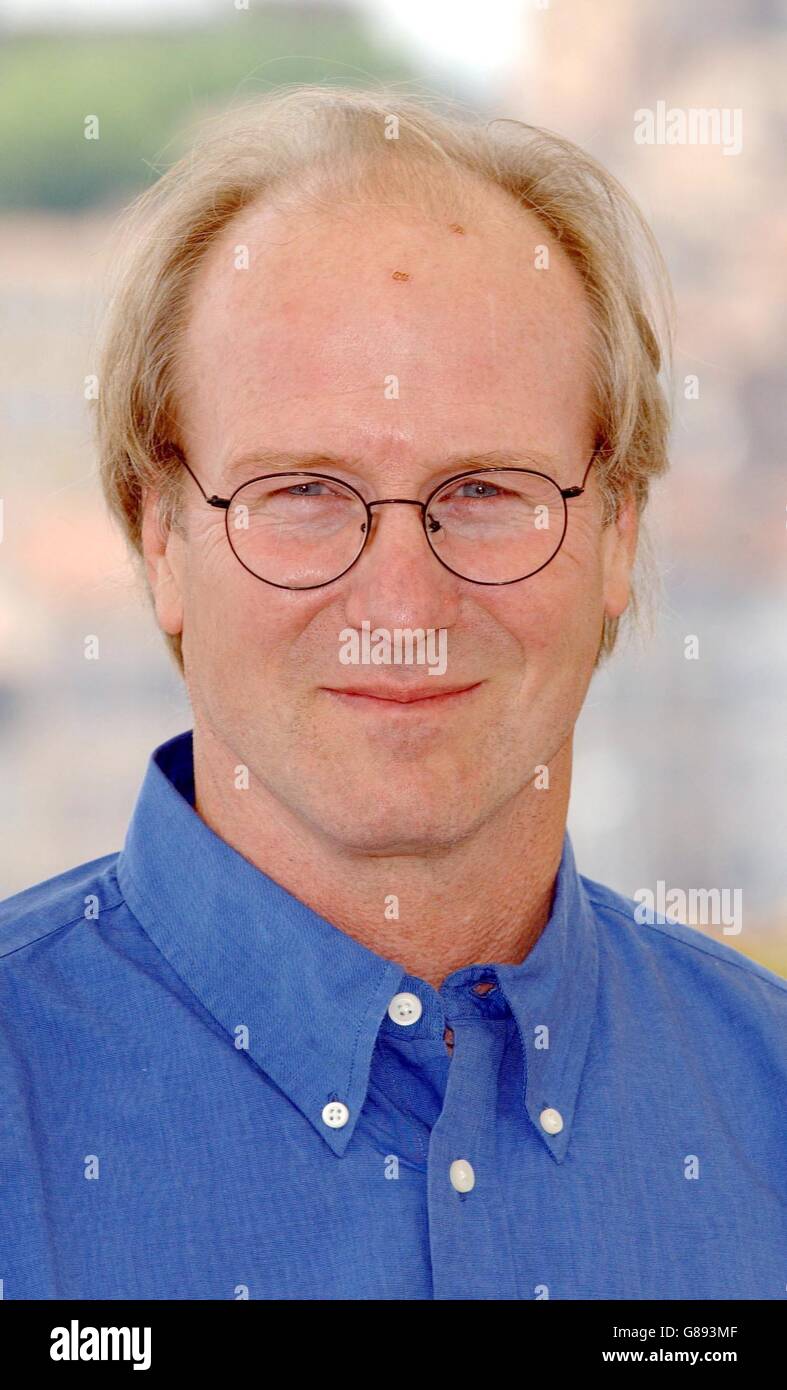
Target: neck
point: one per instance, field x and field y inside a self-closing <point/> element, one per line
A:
<point x="484" y="899"/>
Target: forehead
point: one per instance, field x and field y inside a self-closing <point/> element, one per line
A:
<point x="373" y="317"/>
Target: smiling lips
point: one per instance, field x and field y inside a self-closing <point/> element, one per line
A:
<point x="400" y="695"/>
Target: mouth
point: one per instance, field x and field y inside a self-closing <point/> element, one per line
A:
<point x="401" y="697"/>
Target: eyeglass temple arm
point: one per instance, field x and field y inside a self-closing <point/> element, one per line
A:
<point x="212" y="501"/>
<point x="577" y="491"/>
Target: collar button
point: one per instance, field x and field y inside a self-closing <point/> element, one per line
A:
<point x="405" y="1009"/>
<point x="335" y="1114"/>
<point x="551" y="1120"/>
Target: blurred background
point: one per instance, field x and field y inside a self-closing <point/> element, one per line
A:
<point x="680" y="764"/>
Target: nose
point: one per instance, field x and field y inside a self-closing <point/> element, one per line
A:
<point x="398" y="581"/>
<point x="398" y="502"/>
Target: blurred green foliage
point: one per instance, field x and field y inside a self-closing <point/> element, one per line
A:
<point x="145" y="87"/>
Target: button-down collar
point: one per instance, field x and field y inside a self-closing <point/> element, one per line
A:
<point x="552" y="995"/>
<point x="303" y="997"/>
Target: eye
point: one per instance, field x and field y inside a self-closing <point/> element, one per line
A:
<point x="319" y="490"/>
<point x="473" y="490"/>
<point x="478" y="488"/>
<point x="300" y="490"/>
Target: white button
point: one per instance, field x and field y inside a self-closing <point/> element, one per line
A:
<point x="405" y="1008"/>
<point x="462" y="1175"/>
<point x="551" y="1121"/>
<point x="335" y="1114"/>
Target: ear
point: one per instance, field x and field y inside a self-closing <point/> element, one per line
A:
<point x="162" y="551"/>
<point x="619" y="543"/>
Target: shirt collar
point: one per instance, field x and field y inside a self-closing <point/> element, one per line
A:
<point x="304" y="997"/>
<point x="552" y="994"/>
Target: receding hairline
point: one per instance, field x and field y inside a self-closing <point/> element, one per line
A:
<point x="424" y="189"/>
<point x="447" y="197"/>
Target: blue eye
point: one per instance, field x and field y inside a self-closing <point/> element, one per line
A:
<point x="476" y="485"/>
<point x="301" y="489"/>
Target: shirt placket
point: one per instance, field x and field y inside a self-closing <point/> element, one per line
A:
<point x="468" y="1231"/>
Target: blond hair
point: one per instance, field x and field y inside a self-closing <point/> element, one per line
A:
<point x="316" y="142"/>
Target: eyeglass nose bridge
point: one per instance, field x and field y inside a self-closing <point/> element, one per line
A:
<point x="399" y="501"/>
<point x="387" y="501"/>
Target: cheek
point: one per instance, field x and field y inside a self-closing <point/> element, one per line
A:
<point x="219" y="604"/>
<point x="240" y="631"/>
<point x="557" y="613"/>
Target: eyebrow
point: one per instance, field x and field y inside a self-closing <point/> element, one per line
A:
<point x="293" y="460"/>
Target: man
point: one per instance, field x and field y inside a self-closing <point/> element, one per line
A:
<point x="342" y="1020"/>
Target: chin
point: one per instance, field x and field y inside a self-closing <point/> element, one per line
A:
<point x="387" y="843"/>
<point x="402" y="828"/>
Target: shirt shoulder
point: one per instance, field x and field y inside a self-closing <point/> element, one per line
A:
<point x="667" y="944"/>
<point x="56" y="903"/>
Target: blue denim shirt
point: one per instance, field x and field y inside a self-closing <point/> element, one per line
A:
<point x="210" y="1092"/>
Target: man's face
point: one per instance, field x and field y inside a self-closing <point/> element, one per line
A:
<point x="297" y="353"/>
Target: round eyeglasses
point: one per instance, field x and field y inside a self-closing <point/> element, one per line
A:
<point x="302" y="530"/>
